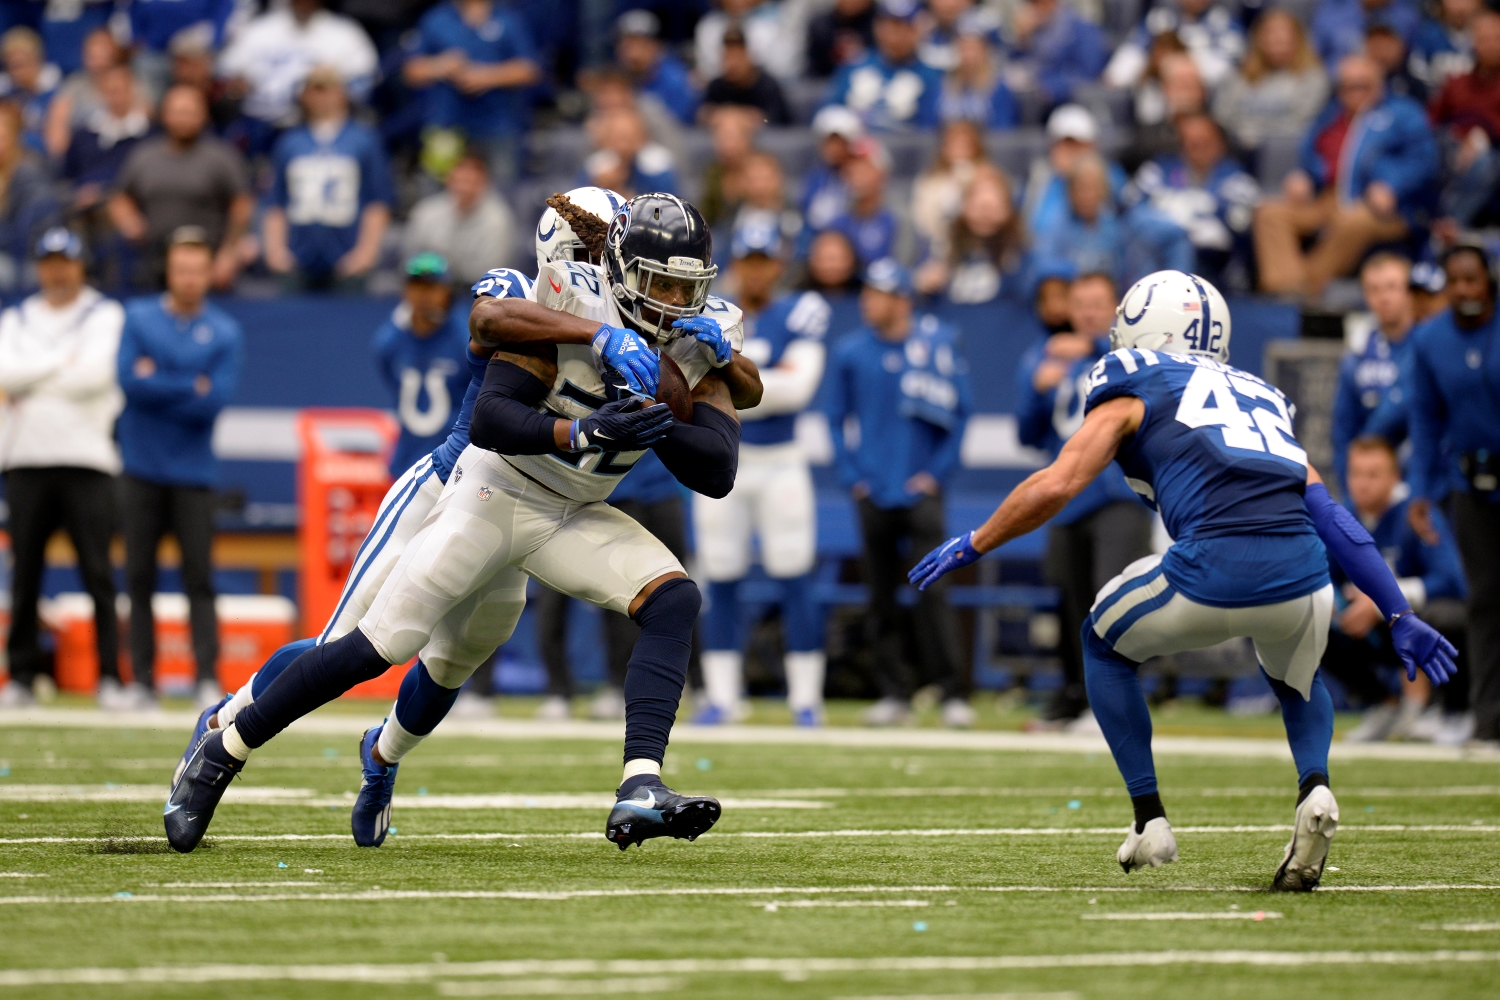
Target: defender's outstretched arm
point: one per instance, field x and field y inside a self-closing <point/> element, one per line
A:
<point x="513" y="322"/>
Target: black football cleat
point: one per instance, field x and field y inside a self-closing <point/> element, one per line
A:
<point x="657" y="811"/>
<point x="197" y="791"/>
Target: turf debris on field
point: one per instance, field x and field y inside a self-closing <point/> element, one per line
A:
<point x="912" y="873"/>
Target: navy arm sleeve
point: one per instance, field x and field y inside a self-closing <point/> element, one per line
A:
<point x="703" y="455"/>
<point x="504" y="420"/>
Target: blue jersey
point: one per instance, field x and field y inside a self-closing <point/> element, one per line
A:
<point x="1454" y="401"/>
<point x="1216" y="456"/>
<point x="886" y="95"/>
<point x="427" y="377"/>
<point x="503" y="111"/>
<point x="1370" y="398"/>
<point x="801" y="316"/>
<point x="324" y="186"/>
<point x="154" y="23"/>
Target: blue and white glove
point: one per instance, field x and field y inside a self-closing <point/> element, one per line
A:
<point x="707" y="332"/>
<point x="1421" y="645"/>
<point x="946" y="558"/>
<point x="628" y="353"/>
<point x="621" y="425"/>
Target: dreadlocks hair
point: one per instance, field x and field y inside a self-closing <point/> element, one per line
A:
<point x="586" y="226"/>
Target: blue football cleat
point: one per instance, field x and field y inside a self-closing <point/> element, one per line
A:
<point x="657" y="811"/>
<point x="371" y="818"/>
<point x="807" y="717"/>
<point x="197" y="791"/>
<point x="199" y="731"/>
<point x="712" y="715"/>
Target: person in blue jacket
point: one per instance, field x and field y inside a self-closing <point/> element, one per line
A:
<point x="903" y="379"/>
<point x="1338" y="26"/>
<point x="1368" y="175"/>
<point x="420" y="354"/>
<point x="1431" y="577"/>
<point x="653" y="67"/>
<point x="1370" y="399"/>
<point x="1056" y="49"/>
<point x="891" y="88"/>
<point x="1103" y="529"/>
<point x="179" y="363"/>
<point x="975" y="90"/>
<point x="1455" y="436"/>
<point x="1443" y="46"/>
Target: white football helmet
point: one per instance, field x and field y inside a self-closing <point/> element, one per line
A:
<point x="555" y="239"/>
<point x="1174" y="312"/>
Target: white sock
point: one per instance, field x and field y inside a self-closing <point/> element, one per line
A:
<point x="721" y="678"/>
<point x="395" y="742"/>
<point x="234" y="706"/>
<point x="235" y="746"/>
<point x="804" y="680"/>
<point x="639" y="766"/>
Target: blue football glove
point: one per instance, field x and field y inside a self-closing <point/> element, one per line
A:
<point x="706" y="331"/>
<point x="946" y="558"/>
<point x="628" y="353"/>
<point x="621" y="425"/>
<point x="1421" y="645"/>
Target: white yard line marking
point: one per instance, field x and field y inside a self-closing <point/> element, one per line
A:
<point x="431" y="971"/>
<point x="309" y="798"/>
<point x="1256" y="915"/>
<point x="1490" y="926"/>
<point x="230" y="885"/>
<point x="1067" y="995"/>
<point x="559" y="987"/>
<point x="838" y="904"/>
<point x="21" y="875"/>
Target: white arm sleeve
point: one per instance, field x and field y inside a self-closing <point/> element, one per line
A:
<point x="792" y="383"/>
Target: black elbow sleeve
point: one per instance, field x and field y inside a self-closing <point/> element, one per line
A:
<point x="703" y="455"/>
<point x="505" y="420"/>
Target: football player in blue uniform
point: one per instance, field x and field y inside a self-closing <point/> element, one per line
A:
<point x="1211" y="448"/>
<point x="773" y="490"/>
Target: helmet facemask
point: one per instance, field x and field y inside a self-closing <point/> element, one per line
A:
<point x="654" y="295"/>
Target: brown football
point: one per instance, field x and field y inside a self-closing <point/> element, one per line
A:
<point x="672" y="389"/>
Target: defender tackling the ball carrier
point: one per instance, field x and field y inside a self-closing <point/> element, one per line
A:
<point x="1211" y="448"/>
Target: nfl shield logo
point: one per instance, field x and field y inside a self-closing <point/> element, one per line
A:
<point x="484" y="493"/>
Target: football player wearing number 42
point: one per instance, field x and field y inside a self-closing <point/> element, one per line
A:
<point x="1211" y="448"/>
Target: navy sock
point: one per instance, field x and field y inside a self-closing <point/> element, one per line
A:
<point x="631" y="784"/>
<point x="1313" y="781"/>
<point x="1147" y="807"/>
<point x="658" y="667"/>
<point x="422" y="701"/>
<point x="315" y="678"/>
<point x="279" y="661"/>
<point x="1115" y="695"/>
<point x="1309" y="726"/>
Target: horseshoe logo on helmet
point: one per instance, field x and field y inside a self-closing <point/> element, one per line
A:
<point x="1125" y="313"/>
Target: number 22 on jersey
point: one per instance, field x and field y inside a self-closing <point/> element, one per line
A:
<point x="1258" y="429"/>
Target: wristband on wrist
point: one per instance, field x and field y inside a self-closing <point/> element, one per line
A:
<point x="573" y="436"/>
<point x="1399" y="614"/>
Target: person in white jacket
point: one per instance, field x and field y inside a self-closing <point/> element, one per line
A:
<point x="57" y="373"/>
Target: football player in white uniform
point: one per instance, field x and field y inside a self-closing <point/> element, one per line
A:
<point x="773" y="495"/>
<point x="526" y="500"/>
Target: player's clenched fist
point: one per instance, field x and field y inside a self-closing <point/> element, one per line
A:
<point x="628" y="353"/>
<point x="622" y="425"/>
<point x="707" y="332"/>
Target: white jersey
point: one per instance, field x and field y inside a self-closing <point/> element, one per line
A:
<point x="582" y="290"/>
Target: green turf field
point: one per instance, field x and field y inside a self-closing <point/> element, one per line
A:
<point x="837" y="871"/>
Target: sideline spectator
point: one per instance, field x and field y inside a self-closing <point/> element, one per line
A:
<point x="1388" y="51"/>
<point x="832" y="266"/>
<point x="975" y="89"/>
<point x="476" y="61"/>
<point x="1467" y="109"/>
<point x="269" y="57"/>
<point x="743" y="83"/>
<point x="840" y="37"/>
<point x="193" y="66"/>
<point x="871" y="225"/>
<point x="64" y="26"/>
<point x="155" y="25"/>
<point x="27" y="206"/>
<point x="29" y="81"/>
<point x="1431" y="578"/>
<point x="890" y="88"/>
<point x="1279" y="89"/>
<point x="1209" y="195"/>
<point x="1452" y="386"/>
<point x="1369" y="164"/>
<point x="1207" y="30"/>
<point x="79" y="96"/>
<point x="764" y="205"/>
<point x="1370" y="401"/>
<point x="420" y="354"/>
<point x="1182" y="93"/>
<point x="939" y="47"/>
<point x="653" y="67"/>
<point x="183" y="178"/>
<point x="731" y="132"/>
<point x="96" y="151"/>
<point x="1428" y="286"/>
<point x="1339" y="26"/>
<point x="938" y="193"/>
<point x="331" y="200"/>
<point x="1443" y="46"/>
<point x="903" y="379"/>
<point x="626" y="160"/>
<point x="983" y="255"/>
<point x="179" y="362"/>
<point x="468" y="223"/>
<point x="825" y="197"/>
<point x="1071" y="135"/>
<point x="767" y="34"/>
<point x="57" y="370"/>
<point x="1106" y="527"/>
<point x="1054" y="51"/>
<point x="1051" y="285"/>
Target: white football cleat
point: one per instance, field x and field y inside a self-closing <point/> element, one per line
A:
<point x="1154" y="846"/>
<point x="1317" y="819"/>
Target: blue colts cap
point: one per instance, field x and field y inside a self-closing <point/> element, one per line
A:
<point x="61" y="240"/>
<point x="887" y="275"/>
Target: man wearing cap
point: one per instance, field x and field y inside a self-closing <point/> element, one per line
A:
<point x="903" y="380"/>
<point x="1370" y="399"/>
<point x="773" y="496"/>
<point x="420" y="353"/>
<point x="330" y="204"/>
<point x="1429" y="290"/>
<point x="1072" y="134"/>
<point x="57" y="374"/>
<point x="890" y="88"/>
<point x="652" y="67"/>
<point x="178" y="365"/>
<point x="825" y="197"/>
